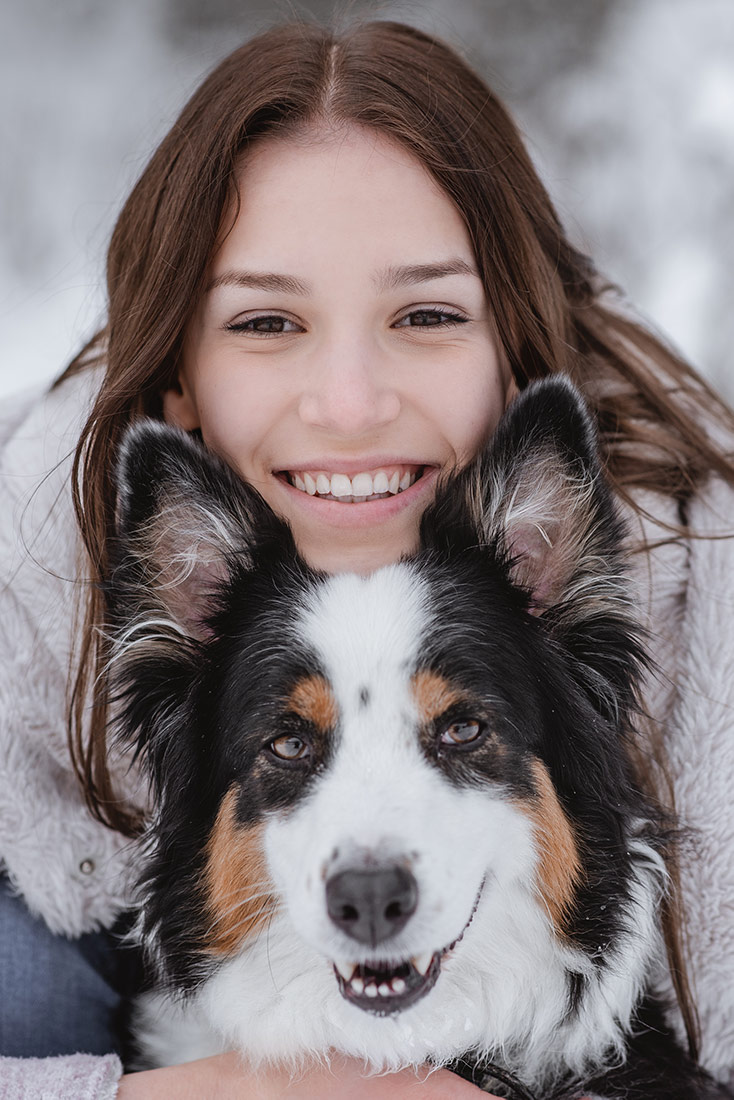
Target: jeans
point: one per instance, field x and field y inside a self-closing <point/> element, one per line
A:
<point x="58" y="995"/>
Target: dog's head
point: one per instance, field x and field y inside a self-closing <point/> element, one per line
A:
<point x="401" y="795"/>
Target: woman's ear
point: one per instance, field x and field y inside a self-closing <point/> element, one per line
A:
<point x="179" y="404"/>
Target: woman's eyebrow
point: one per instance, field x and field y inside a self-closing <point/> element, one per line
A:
<point x="408" y="274"/>
<point x="260" y="280"/>
<point x="388" y="279"/>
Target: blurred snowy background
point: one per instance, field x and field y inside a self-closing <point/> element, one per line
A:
<point x="627" y="105"/>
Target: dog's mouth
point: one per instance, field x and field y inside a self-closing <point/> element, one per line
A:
<point x="386" y="988"/>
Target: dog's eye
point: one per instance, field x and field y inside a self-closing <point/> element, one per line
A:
<point x="290" y="747"/>
<point x="461" y="733"/>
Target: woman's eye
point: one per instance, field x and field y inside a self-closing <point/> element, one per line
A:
<point x="272" y="324"/>
<point x="462" y="733"/>
<point x="266" y="324"/>
<point x="290" y="748"/>
<point x="430" y="318"/>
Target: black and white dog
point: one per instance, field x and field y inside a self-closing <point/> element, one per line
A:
<point x="395" y="814"/>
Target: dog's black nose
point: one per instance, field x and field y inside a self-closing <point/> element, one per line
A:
<point x="371" y="905"/>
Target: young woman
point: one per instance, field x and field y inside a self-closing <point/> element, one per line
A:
<point x="339" y="262"/>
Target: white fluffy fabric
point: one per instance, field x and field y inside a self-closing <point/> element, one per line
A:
<point x="69" y="868"/>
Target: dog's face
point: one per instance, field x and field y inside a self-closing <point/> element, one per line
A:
<point x="394" y="811"/>
<point x="379" y="784"/>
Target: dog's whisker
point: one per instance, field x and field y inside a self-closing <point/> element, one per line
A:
<point x="242" y="899"/>
<point x="265" y="905"/>
<point x="267" y="930"/>
<point x="267" y="908"/>
<point x="254" y="886"/>
<point x="254" y="923"/>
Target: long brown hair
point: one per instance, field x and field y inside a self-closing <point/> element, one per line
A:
<point x="549" y="306"/>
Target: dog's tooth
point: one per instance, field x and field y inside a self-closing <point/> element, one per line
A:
<point x="405" y="481"/>
<point x="422" y="962"/>
<point x="299" y="483"/>
<point x="310" y="484"/>
<point x="398" y="985"/>
<point x="345" y="969"/>
<point x="371" y="990"/>
<point x="394" y="483"/>
<point x="357" y="985"/>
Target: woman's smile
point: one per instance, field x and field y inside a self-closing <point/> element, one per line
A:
<point x="365" y="485"/>
<point x="357" y="509"/>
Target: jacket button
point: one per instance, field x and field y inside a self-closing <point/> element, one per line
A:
<point x="86" y="866"/>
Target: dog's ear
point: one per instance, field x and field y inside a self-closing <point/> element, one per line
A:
<point x="537" y="497"/>
<point x="184" y="519"/>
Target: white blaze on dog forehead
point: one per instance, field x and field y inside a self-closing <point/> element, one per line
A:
<point x="367" y="631"/>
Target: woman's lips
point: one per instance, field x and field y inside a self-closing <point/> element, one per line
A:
<point x="346" y="511"/>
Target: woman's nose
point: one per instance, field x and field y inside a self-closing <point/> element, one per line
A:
<point x="349" y="393"/>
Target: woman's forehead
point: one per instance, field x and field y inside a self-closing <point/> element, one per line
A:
<point x="362" y="196"/>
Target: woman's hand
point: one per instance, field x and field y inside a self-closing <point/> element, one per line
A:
<point x="227" y="1077"/>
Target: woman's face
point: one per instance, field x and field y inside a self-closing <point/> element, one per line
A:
<point x="343" y="354"/>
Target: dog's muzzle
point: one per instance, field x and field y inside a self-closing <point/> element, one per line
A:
<point x="371" y="906"/>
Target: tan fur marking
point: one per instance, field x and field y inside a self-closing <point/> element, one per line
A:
<point x="559" y="866"/>
<point x="433" y="695"/>
<point x="237" y="881"/>
<point x="313" y="700"/>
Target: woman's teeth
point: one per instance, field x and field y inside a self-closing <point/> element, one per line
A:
<point x="357" y="489"/>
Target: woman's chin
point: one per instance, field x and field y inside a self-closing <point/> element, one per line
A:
<point x="342" y="556"/>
